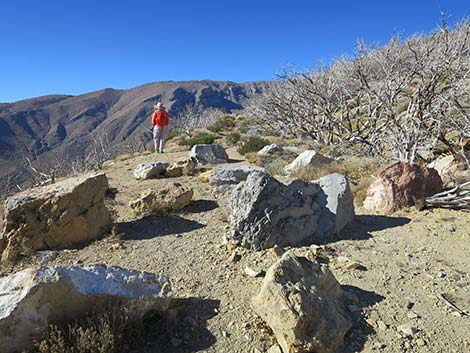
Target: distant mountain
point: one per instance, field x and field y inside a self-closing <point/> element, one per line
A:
<point x="46" y="125"/>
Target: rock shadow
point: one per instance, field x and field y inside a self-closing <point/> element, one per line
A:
<point x="363" y="225"/>
<point x="357" y="336"/>
<point x="198" y="206"/>
<point x="183" y="328"/>
<point x="156" y="226"/>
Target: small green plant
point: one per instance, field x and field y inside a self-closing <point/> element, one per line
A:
<point x="253" y="144"/>
<point x="233" y="138"/>
<point x="200" y="139"/>
<point x="276" y="166"/>
<point x="224" y="123"/>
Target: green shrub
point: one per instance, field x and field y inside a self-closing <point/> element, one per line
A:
<point x="233" y="138"/>
<point x="253" y="144"/>
<point x="200" y="139"/>
<point x="223" y="123"/>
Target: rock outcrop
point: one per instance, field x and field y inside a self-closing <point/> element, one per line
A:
<point x="303" y="304"/>
<point x="265" y="212"/>
<point x="400" y="185"/>
<point x="33" y="299"/>
<point x="56" y="216"/>
<point x="172" y="197"/>
<point x="150" y="170"/>
<point x="224" y="178"/>
<point x="309" y="158"/>
<point x="208" y="154"/>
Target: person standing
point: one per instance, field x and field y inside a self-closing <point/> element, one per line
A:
<point x="160" y="121"/>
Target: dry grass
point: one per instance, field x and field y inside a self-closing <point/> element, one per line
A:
<point x="358" y="170"/>
<point x="112" y="330"/>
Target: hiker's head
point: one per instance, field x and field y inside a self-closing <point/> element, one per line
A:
<point x="159" y="106"/>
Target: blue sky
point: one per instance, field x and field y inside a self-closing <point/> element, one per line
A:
<point x="73" y="47"/>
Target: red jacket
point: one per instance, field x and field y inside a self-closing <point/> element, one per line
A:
<point x="160" y="118"/>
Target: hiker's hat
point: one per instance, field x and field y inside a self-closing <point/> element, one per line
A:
<point x="159" y="105"/>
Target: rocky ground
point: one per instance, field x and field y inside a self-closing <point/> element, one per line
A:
<point x="410" y="272"/>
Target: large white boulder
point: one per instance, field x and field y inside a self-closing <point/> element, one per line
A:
<point x="304" y="305"/>
<point x="309" y="158"/>
<point x="33" y="299"/>
<point x="150" y="170"/>
<point x="265" y="212"/>
<point x="55" y="216"/>
<point x="208" y="154"/>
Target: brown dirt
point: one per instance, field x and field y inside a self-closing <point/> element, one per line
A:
<point x="407" y="259"/>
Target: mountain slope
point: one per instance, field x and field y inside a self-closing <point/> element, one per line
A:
<point x="55" y="124"/>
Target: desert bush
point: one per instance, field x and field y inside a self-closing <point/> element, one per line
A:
<point x="276" y="166"/>
<point x="234" y="137"/>
<point x="253" y="144"/>
<point x="172" y="134"/>
<point x="111" y="331"/>
<point x="223" y="123"/>
<point x="199" y="139"/>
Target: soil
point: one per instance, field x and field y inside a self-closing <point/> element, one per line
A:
<point x="405" y="269"/>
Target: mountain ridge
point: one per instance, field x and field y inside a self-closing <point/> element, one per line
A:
<point x="61" y="124"/>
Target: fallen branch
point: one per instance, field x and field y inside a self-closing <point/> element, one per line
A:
<point x="457" y="198"/>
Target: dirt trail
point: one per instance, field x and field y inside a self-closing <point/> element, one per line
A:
<point x="408" y="260"/>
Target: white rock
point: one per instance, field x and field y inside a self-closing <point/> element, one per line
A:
<point x="33" y="299"/>
<point x="271" y="150"/>
<point x="225" y="177"/>
<point x="208" y="154"/>
<point x="307" y="158"/>
<point x="150" y="170"/>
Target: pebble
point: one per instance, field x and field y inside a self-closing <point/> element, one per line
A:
<point x="254" y="273"/>
<point x="407" y="329"/>
<point x="235" y="257"/>
<point x="382" y="325"/>
<point x="441" y="274"/>
<point x="420" y="342"/>
<point x="409" y="305"/>
<point x="449" y="228"/>
<point x="412" y="315"/>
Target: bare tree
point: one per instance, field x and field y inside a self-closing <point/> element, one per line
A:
<point x="400" y="99"/>
<point x="194" y="116"/>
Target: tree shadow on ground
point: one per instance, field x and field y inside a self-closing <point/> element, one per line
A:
<point x="198" y="206"/>
<point x="156" y="226"/>
<point x="357" y="336"/>
<point x="363" y="225"/>
<point x="183" y="328"/>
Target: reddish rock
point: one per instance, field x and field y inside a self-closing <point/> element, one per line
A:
<point x="399" y="185"/>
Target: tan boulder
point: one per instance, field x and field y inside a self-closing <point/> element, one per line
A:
<point x="55" y="216"/>
<point x="172" y="197"/>
<point x="400" y="185"/>
<point x="303" y="304"/>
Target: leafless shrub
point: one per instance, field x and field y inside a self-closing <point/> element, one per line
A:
<point x="397" y="100"/>
<point x="111" y="331"/>
<point x="193" y="116"/>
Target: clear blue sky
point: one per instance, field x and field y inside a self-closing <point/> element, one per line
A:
<point x="77" y="46"/>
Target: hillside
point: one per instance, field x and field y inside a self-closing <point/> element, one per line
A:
<point x="215" y="314"/>
<point x="61" y="125"/>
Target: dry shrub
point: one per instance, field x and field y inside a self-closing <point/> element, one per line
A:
<point x="358" y="170"/>
<point x="109" y="331"/>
